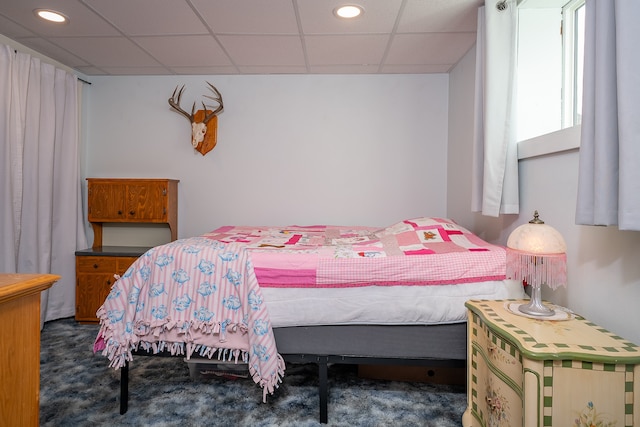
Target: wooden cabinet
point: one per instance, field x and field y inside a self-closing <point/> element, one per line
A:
<point x="95" y="276"/>
<point x="533" y="372"/>
<point x="132" y="200"/>
<point x="117" y="200"/>
<point x="20" y="347"/>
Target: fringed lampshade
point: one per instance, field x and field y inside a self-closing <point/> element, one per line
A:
<point x="536" y="254"/>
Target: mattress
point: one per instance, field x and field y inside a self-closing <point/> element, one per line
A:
<point x="381" y="305"/>
<point x="418" y="271"/>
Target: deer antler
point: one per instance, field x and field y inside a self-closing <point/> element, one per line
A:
<point x="201" y="139"/>
<point x="174" y="101"/>
<point x="218" y="99"/>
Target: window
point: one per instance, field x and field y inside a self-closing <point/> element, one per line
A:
<point x="549" y="74"/>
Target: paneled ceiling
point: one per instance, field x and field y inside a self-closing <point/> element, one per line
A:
<point x="209" y="37"/>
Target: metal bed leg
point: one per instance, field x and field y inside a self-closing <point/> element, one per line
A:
<point x="124" y="388"/>
<point x="323" y="388"/>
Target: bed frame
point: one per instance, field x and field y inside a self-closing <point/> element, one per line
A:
<point x="411" y="345"/>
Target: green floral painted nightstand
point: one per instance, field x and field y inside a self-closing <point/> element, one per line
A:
<point x="530" y="372"/>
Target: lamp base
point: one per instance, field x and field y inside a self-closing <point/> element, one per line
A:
<point x="535" y="306"/>
<point x="560" y="313"/>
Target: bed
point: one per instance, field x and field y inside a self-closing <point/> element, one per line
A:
<point x="321" y="294"/>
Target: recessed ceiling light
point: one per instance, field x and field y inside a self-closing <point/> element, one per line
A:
<point x="51" y="15"/>
<point x="348" y="11"/>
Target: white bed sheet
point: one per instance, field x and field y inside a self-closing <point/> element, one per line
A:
<point x="381" y="305"/>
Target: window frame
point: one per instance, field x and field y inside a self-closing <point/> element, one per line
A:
<point x="568" y="136"/>
<point x="571" y="69"/>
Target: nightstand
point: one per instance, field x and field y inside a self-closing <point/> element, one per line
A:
<point x="531" y="372"/>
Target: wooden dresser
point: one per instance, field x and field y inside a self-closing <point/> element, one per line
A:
<point x="531" y="372"/>
<point x="20" y="347"/>
<point x="118" y="200"/>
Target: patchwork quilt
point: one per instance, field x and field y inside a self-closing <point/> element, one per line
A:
<point x="191" y="296"/>
<point x="419" y="251"/>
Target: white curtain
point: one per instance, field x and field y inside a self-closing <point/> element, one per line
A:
<point x="40" y="197"/>
<point x="609" y="168"/>
<point x="495" y="153"/>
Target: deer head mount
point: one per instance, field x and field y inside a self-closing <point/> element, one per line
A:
<point x="204" y="123"/>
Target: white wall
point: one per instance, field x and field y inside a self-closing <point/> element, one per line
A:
<point x="602" y="262"/>
<point x="367" y="150"/>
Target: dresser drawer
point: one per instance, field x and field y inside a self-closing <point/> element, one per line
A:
<point x="496" y="400"/>
<point x="500" y="353"/>
<point x="96" y="264"/>
<point x="123" y="263"/>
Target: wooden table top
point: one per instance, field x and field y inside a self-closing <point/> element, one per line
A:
<point x="15" y="285"/>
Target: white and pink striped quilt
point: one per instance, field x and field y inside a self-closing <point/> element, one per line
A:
<point x="419" y="251"/>
<point x="192" y="296"/>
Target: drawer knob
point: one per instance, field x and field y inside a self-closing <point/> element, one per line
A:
<point x="95" y="266"/>
<point x="119" y="212"/>
<point x="132" y="212"/>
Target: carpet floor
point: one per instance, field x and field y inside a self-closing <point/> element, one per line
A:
<point x="79" y="389"/>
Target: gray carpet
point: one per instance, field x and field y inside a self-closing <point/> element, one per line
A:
<point x="79" y="389"/>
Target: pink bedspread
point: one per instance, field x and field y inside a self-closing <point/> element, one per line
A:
<point x="420" y="251"/>
<point x="191" y="296"/>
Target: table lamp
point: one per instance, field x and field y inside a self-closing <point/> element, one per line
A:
<point x="536" y="254"/>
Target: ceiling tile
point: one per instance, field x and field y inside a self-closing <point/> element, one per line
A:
<point x="248" y="16"/>
<point x="317" y="17"/>
<point x="415" y="69"/>
<point x="149" y="17"/>
<point x="106" y="51"/>
<point x="264" y="50"/>
<point x="351" y="49"/>
<point x="182" y="51"/>
<point x="343" y="69"/>
<point x="439" y="15"/>
<point x="136" y="71"/>
<point x="276" y="69"/>
<point x="189" y="70"/>
<point x="93" y="71"/>
<point x="13" y="30"/>
<point x="82" y="20"/>
<point x="435" y="48"/>
<point x="55" y="52"/>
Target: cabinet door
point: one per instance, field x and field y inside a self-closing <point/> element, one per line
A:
<point x="106" y="201"/>
<point x="94" y="278"/>
<point x="147" y="201"/>
<point x="91" y="291"/>
<point x="599" y="394"/>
